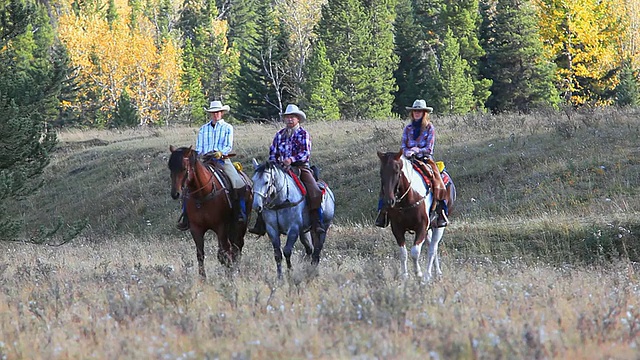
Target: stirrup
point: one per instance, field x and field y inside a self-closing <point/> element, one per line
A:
<point x="382" y="220"/>
<point x="442" y="220"/>
<point x="260" y="227"/>
<point x="183" y="223"/>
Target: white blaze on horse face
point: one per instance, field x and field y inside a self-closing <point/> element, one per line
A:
<point x="260" y="188"/>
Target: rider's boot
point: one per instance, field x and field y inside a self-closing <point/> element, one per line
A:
<point x="241" y="204"/>
<point x="259" y="228"/>
<point x="382" y="220"/>
<point x="441" y="212"/>
<point x="183" y="222"/>
<point x="316" y="221"/>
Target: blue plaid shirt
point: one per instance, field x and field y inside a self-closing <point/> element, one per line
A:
<point x="297" y="146"/>
<point x="215" y="138"/>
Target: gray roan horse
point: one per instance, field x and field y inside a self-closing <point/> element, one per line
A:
<point x="409" y="200"/>
<point x="283" y="209"/>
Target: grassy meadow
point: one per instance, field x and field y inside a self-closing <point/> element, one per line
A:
<point x="539" y="261"/>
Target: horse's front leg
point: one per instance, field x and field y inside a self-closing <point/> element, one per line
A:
<point x="305" y="239"/>
<point x="292" y="236"/>
<point x="198" y="238"/>
<point x="416" y="249"/>
<point x="274" y="235"/>
<point x="224" y="246"/>
<point x="399" y="235"/>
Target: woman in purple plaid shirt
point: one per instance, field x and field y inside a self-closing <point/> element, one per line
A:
<point x="418" y="140"/>
<point x="291" y="147"/>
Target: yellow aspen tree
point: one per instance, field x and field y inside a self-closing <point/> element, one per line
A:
<point x="580" y="36"/>
<point x="629" y="39"/>
<point x="112" y="57"/>
<point x="168" y="93"/>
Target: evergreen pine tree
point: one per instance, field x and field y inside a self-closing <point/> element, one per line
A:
<point x="522" y="79"/>
<point x="208" y="63"/>
<point x="112" y="12"/>
<point x="32" y="72"/>
<point x="462" y="17"/>
<point x="321" y="101"/>
<point x="125" y="114"/>
<point x="264" y="73"/>
<point x="410" y="73"/>
<point x="457" y="83"/>
<point x="361" y="42"/>
<point x="384" y="61"/>
<point x="191" y="83"/>
<point x="627" y="93"/>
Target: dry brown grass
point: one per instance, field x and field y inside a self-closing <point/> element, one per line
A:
<point x="538" y="261"/>
<point x="140" y="298"/>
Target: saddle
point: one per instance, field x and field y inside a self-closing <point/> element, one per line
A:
<point x="217" y="168"/>
<point x="294" y="172"/>
<point x="430" y="172"/>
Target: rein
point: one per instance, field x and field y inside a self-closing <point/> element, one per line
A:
<point x="399" y="199"/>
<point x="272" y="188"/>
<point x="210" y="196"/>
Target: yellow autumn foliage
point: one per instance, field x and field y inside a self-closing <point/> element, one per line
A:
<point x="111" y="58"/>
<point x="581" y="37"/>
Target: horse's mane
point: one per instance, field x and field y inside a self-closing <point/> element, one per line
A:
<point x="175" y="160"/>
<point x="407" y="167"/>
<point x="267" y="165"/>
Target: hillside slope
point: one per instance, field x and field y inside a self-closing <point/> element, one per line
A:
<point x="546" y="184"/>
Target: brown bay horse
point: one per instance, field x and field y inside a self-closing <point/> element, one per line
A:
<point x="408" y="201"/>
<point x="208" y="205"/>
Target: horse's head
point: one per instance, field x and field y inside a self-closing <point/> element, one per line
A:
<point x="390" y="173"/>
<point x="180" y="162"/>
<point x="264" y="180"/>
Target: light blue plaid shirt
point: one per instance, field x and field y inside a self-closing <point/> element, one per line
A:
<point x="218" y="138"/>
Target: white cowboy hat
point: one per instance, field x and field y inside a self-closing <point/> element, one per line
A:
<point x="217" y="106"/>
<point x="420" y="105"/>
<point x="293" y="109"/>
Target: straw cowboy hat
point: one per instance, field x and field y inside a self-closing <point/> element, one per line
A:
<point x="420" y="105"/>
<point x="293" y="110"/>
<point x="217" y="106"/>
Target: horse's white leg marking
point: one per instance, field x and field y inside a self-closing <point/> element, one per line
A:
<point x="403" y="261"/>
<point x="434" y="239"/>
<point x="437" y="237"/>
<point x="415" y="255"/>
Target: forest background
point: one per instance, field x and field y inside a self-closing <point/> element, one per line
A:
<point x="127" y="63"/>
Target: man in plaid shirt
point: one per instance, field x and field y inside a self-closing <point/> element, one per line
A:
<point x="291" y="147"/>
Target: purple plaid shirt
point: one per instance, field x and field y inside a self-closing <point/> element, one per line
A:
<point x="425" y="141"/>
<point x="298" y="146"/>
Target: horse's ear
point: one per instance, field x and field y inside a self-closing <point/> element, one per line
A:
<point x="380" y="154"/>
<point x="172" y="148"/>
<point x="398" y="155"/>
<point x="255" y="163"/>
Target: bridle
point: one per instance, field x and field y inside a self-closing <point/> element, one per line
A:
<point x="269" y="196"/>
<point x="190" y="173"/>
<point x="397" y="199"/>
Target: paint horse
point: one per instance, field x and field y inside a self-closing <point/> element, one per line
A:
<point x="409" y="202"/>
<point x="283" y="207"/>
<point x="208" y="205"/>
